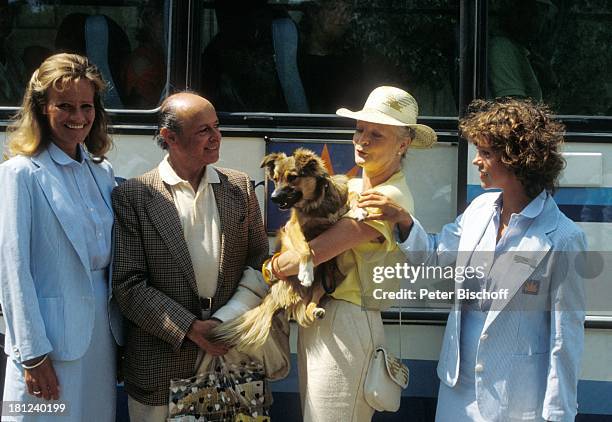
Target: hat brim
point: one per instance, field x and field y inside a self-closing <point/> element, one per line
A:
<point x="425" y="136"/>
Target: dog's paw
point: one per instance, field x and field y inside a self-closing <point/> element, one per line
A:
<point x="360" y="214"/>
<point x="355" y="212"/>
<point x="306" y="273"/>
<point x="319" y="313"/>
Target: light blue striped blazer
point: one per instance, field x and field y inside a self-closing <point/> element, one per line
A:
<point x="529" y="356"/>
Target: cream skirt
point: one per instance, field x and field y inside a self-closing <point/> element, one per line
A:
<point x="333" y="358"/>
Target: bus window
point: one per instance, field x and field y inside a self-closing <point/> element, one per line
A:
<point x="314" y="56"/>
<point x="553" y="51"/>
<point x="125" y="40"/>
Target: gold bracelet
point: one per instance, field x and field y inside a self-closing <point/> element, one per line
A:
<point x="277" y="273"/>
<point x="266" y="271"/>
<point x="36" y="365"/>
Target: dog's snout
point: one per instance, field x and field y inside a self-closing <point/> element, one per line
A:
<point x="285" y="198"/>
<point x="279" y="196"/>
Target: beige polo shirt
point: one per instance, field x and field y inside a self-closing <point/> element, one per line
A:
<point x="200" y="222"/>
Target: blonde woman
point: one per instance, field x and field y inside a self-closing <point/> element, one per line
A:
<point x="334" y="352"/>
<point x="55" y="228"/>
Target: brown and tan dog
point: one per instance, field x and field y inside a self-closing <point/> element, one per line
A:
<point x="317" y="200"/>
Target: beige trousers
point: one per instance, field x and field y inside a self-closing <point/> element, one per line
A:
<point x="140" y="412"/>
<point x="333" y="358"/>
<point x="143" y="413"/>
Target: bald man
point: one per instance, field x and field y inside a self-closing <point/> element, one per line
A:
<point x="188" y="237"/>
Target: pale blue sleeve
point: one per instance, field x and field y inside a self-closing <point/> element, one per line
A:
<point x="432" y="249"/>
<point x="568" y="310"/>
<point x="25" y="328"/>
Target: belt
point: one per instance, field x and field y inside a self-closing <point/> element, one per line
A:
<point x="206" y="303"/>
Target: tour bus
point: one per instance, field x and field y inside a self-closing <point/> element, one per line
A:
<point x="277" y="70"/>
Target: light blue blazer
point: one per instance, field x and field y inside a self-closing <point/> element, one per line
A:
<point x="529" y="356"/>
<point x="46" y="287"/>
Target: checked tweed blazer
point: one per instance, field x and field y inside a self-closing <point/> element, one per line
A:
<point x="153" y="278"/>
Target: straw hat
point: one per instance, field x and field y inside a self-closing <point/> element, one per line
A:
<point x="393" y="106"/>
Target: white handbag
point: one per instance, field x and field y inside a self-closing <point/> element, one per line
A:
<point x="386" y="378"/>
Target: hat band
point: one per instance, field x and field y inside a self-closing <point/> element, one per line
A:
<point x="392" y="113"/>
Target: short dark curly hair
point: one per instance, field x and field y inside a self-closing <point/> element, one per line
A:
<point x="525" y="136"/>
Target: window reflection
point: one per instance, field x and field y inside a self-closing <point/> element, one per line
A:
<point x="12" y="61"/>
<point x="314" y="56"/>
<point x="238" y="67"/>
<point x="556" y="51"/>
<point x="125" y="40"/>
<point x="330" y="63"/>
<point x="144" y="77"/>
<point x="512" y="63"/>
<point x="412" y="44"/>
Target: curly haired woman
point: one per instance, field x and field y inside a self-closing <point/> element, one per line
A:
<point x="518" y="357"/>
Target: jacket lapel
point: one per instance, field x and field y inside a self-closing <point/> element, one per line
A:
<point x="468" y="244"/>
<point x="164" y="216"/>
<point x="226" y="197"/>
<point x="102" y="180"/>
<point x="469" y="239"/>
<point x="61" y="203"/>
<point x="513" y="268"/>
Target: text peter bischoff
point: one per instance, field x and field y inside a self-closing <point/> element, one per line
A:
<point x="424" y="273"/>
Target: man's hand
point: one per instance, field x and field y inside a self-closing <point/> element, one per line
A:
<point x="197" y="333"/>
<point x="388" y="210"/>
<point x="42" y="381"/>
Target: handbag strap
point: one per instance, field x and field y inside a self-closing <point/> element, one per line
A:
<point x="374" y="345"/>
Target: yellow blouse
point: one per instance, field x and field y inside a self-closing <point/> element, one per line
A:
<point x="359" y="262"/>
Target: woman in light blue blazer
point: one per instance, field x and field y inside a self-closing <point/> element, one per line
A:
<point x="55" y="230"/>
<point x="513" y="355"/>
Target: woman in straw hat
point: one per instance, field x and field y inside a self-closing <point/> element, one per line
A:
<point x="55" y="228"/>
<point x="334" y="352"/>
<point x="515" y="357"/>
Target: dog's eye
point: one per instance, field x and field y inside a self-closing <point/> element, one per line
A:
<point x="291" y="177"/>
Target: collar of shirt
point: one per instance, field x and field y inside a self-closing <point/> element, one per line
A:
<point x="63" y="159"/>
<point x="169" y="176"/>
<point x="532" y="210"/>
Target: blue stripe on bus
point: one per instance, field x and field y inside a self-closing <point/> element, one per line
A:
<point x="565" y="196"/>
<point x="593" y="396"/>
<point x="588" y="213"/>
<point x="579" y="204"/>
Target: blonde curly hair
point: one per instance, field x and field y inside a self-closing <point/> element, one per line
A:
<point x="525" y="136"/>
<point x="29" y="133"/>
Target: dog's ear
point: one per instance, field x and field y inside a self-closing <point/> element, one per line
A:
<point x="269" y="161"/>
<point x="307" y="162"/>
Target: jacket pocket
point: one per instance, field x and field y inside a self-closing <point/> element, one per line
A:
<point x="52" y="310"/>
<point x="527" y="386"/>
<point x="533" y="333"/>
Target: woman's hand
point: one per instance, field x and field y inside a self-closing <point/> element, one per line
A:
<point x="388" y="210"/>
<point x="42" y="381"/>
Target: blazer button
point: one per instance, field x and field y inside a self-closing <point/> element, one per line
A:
<point x="479" y="367"/>
<point x="484" y="336"/>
